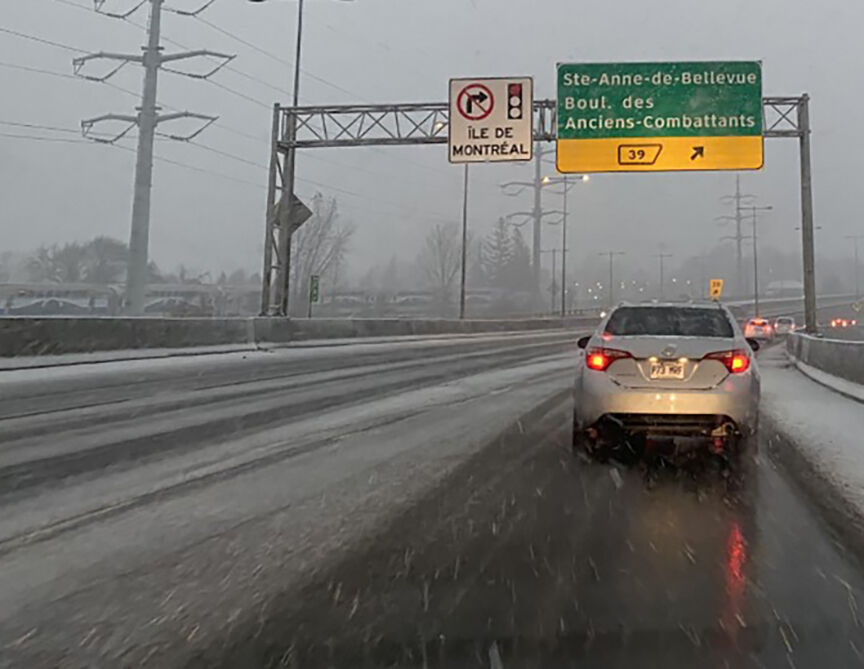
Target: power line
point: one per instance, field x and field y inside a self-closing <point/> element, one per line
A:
<point x="42" y="138"/>
<point x="36" y="126"/>
<point x="38" y="70"/>
<point x="248" y="98"/>
<point x="41" y="40"/>
<point x="276" y="58"/>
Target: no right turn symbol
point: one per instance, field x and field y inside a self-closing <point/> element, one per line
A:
<point x="475" y="102"/>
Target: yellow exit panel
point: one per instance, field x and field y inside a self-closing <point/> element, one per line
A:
<point x="660" y="154"/>
<point x="715" y="288"/>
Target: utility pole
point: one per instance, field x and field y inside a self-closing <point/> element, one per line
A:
<point x="756" y="259"/>
<point x="464" y="244"/>
<point x="566" y="182"/>
<point x="855" y="239"/>
<point x="146" y="120"/>
<point x="611" y="255"/>
<point x="553" y="290"/>
<point x="662" y="257"/>
<point x="536" y="214"/>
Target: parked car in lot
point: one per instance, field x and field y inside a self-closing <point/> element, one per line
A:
<point x="784" y="325"/>
<point x="671" y="373"/>
<point x="759" y="328"/>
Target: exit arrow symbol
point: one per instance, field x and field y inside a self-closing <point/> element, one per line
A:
<point x="698" y="152"/>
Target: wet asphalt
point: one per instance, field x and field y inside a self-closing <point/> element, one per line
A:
<point x="530" y="557"/>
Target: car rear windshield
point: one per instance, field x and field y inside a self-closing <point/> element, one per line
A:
<point x="669" y="321"/>
<point x="784" y="320"/>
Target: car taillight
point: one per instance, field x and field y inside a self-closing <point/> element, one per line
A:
<point x="737" y="361"/>
<point x="599" y="359"/>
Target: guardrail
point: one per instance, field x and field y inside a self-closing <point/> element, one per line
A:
<point x="838" y="357"/>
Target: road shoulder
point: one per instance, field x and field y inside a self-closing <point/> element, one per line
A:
<point x="816" y="434"/>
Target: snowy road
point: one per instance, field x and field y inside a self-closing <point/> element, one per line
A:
<point x="550" y="561"/>
<point x="382" y="505"/>
<point x="149" y="506"/>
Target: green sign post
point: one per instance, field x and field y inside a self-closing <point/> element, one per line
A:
<point x="620" y="117"/>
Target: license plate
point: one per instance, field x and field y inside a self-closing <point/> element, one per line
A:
<point x="667" y="370"/>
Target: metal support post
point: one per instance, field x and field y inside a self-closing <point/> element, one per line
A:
<point x="270" y="216"/>
<point x="537" y="213"/>
<point x="807" y="216"/>
<point x="464" y="244"/>
<point x="564" y="248"/>
<point x="283" y="280"/>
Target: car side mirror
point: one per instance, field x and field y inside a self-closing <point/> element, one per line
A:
<point x="753" y="344"/>
<point x="582" y="342"/>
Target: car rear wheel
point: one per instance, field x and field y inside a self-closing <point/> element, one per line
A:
<point x="585" y="446"/>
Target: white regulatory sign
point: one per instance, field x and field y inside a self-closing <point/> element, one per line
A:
<point x="491" y="119"/>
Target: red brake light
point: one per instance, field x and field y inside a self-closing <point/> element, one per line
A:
<point x="599" y="359"/>
<point x="737" y="361"/>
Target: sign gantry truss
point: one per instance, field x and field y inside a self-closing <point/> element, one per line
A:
<point x="407" y="124"/>
<point x="415" y="123"/>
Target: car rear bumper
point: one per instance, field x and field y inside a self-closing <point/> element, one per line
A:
<point x="666" y="411"/>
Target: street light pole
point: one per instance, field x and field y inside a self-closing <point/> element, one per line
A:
<point x="756" y="259"/>
<point x="611" y="255"/>
<point x="662" y="257"/>
<point x="855" y="239"/>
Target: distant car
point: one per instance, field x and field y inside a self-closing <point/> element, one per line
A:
<point x="759" y="328"/>
<point x="784" y="325"/>
<point x="49" y="307"/>
<point x="843" y="322"/>
<point x="664" y="372"/>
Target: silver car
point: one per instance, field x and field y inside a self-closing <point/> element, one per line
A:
<point x="679" y="373"/>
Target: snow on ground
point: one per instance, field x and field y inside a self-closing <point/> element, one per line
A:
<point x="825" y="427"/>
<point x="851" y="389"/>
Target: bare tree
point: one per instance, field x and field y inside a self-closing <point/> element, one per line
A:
<point x="319" y="247"/>
<point x="105" y="260"/>
<point x="441" y="258"/>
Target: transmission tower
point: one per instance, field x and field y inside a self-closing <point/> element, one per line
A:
<point x="147" y="119"/>
<point x="537" y="213"/>
<point x="740" y="201"/>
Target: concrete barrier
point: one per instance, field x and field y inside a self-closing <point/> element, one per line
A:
<point x="840" y="358"/>
<point x="22" y="336"/>
<point x="53" y="335"/>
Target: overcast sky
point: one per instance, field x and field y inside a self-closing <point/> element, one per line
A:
<point x="406" y="50"/>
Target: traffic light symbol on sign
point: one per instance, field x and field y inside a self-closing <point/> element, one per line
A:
<point x="514" y="101"/>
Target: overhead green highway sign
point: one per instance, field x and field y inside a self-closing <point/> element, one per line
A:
<point x="631" y="117"/>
